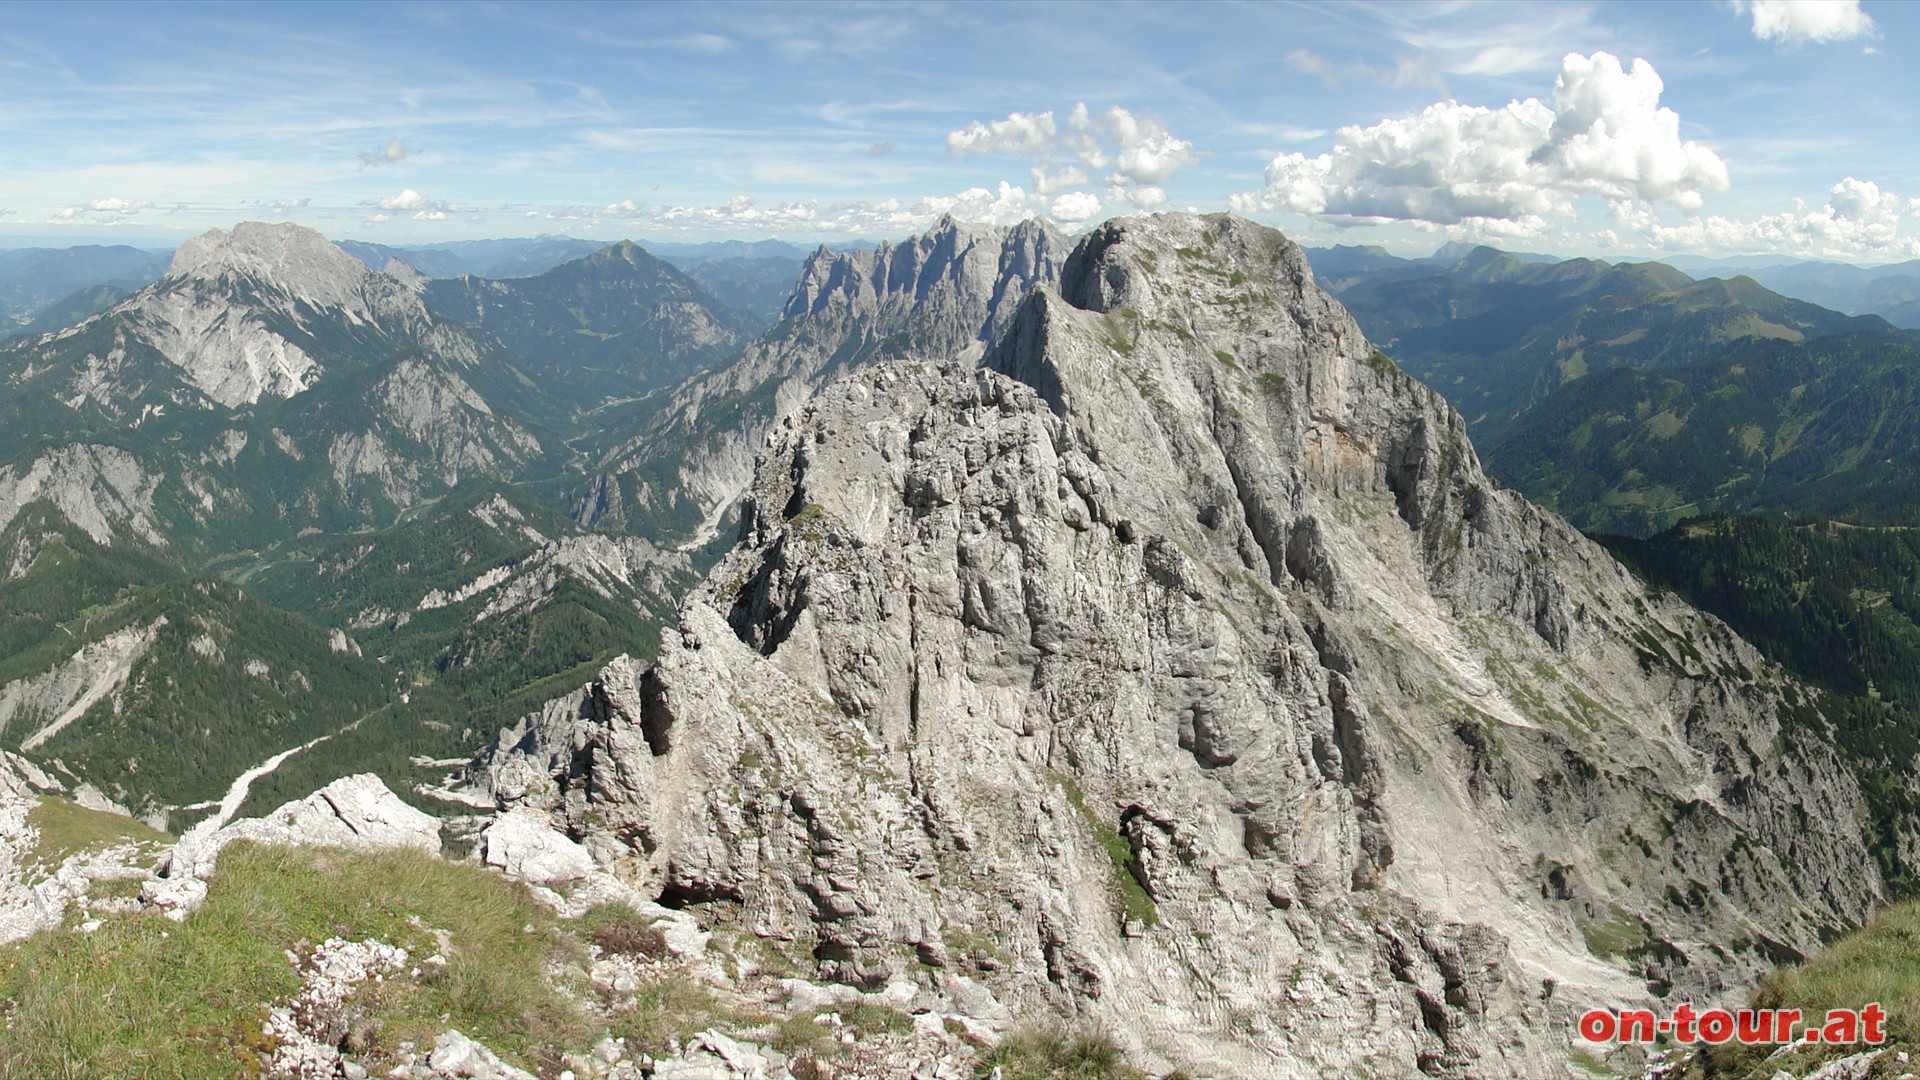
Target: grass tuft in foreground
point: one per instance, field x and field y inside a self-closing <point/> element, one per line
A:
<point x="146" y="997"/>
<point x="1054" y="1053"/>
<point x="68" y="829"/>
<point x="1880" y="962"/>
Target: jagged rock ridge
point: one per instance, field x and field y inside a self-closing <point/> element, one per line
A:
<point x="952" y="290"/>
<point x="1179" y="667"/>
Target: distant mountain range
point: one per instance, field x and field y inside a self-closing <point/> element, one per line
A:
<point x="750" y="276"/>
<point x="36" y="281"/>
<point x="1825" y="427"/>
<point x="508" y="258"/>
<point x="1631" y="396"/>
<point x="1498" y="334"/>
<point x="613" y="324"/>
<point x="273" y="412"/>
<point x="1891" y="291"/>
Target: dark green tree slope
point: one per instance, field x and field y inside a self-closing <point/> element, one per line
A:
<point x="1829" y="427"/>
<point x="1496" y="334"/>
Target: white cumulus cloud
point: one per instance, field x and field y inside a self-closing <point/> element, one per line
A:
<point x="1113" y="147"/>
<point x="1019" y="135"/>
<point x="1145" y="152"/>
<point x="1611" y="138"/>
<point x="1792" y="22"/>
<point x="1146" y="196"/>
<point x="423" y="208"/>
<point x="1604" y="135"/>
<point x="1075" y="206"/>
<point x="1858" y="220"/>
<point x="408" y="199"/>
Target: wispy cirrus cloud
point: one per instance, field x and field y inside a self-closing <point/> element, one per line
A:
<point x="396" y="150"/>
<point x="109" y="210"/>
<point x="711" y="44"/>
<point x="1002" y="204"/>
<point x="1405" y="71"/>
<point x="118" y="206"/>
<point x="1494" y="41"/>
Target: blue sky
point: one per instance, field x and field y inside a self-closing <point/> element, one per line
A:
<point x="1595" y="128"/>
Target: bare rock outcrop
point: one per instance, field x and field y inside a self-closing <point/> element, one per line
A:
<point x="951" y="291"/>
<point x="36" y="893"/>
<point x="233" y="308"/>
<point x="358" y="813"/>
<point x="1177" y="668"/>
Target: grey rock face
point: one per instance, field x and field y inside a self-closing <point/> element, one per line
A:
<point x="1178" y="667"/>
<point x="103" y="489"/>
<point x="954" y="289"/>
<point x="61" y="694"/>
<point x="430" y="429"/>
<point x="455" y="1054"/>
<point x="231" y="308"/>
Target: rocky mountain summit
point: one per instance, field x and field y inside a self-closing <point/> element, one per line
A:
<point x="612" y="325"/>
<point x="1176" y="667"/>
<point x="255" y="312"/>
<point x="190" y="380"/>
<point x="952" y="290"/>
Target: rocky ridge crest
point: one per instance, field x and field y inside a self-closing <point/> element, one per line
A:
<point x="950" y="291"/>
<point x="1179" y="668"/>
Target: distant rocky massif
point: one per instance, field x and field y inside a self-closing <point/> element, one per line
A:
<point x="949" y="292"/>
<point x="1021" y="631"/>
